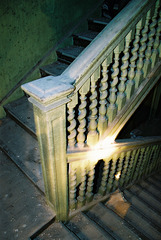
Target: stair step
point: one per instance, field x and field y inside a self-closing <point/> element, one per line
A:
<point x="23" y="207"/>
<point x="142" y="225"/>
<point x="22" y="148"/>
<point x="151" y="189"/>
<point x="21" y="111"/>
<point x="84" y="228"/>
<point x="83" y="39"/>
<point x="54" y="69"/>
<point x="146" y="197"/>
<point x="98" y="24"/>
<point x="111" y="222"/>
<point x="68" y="54"/>
<point x="143" y="208"/>
<point x="57" y="230"/>
<point x="155" y="182"/>
<point x="157" y="177"/>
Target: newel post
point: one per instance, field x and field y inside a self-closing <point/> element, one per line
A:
<point x="49" y="98"/>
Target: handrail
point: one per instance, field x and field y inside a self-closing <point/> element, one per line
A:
<point x="107" y="149"/>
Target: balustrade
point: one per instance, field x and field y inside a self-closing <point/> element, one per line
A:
<point x="88" y="105"/>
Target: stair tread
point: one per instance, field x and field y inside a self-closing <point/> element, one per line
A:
<point x="23" y="207"/>
<point x="98" y="24"/>
<point x="143" y="208"/>
<point x="25" y="118"/>
<point x="22" y="148"/>
<point x="151" y="189"/>
<point x="89" y="35"/>
<point x="85" y="228"/>
<point x="137" y="220"/>
<point x="155" y="182"/>
<point x="54" y="69"/>
<point x="101" y="20"/>
<point x="108" y="219"/>
<point x="56" y="231"/>
<point x="149" y="198"/>
<point x="69" y="53"/>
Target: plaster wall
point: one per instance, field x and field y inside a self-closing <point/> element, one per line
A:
<point x="28" y="29"/>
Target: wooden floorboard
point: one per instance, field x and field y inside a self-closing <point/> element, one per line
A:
<point x="23" y="209"/>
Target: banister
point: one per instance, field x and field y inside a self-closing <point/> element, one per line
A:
<point x="103" y="150"/>
<point x="79" y="113"/>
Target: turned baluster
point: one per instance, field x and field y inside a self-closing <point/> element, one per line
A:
<point x="111" y="174"/>
<point x="121" y="97"/>
<point x="139" y="65"/>
<point x="90" y="183"/>
<point x="143" y="162"/>
<point x="112" y="108"/>
<point x="131" y="164"/>
<point x="139" y="162"/>
<point x="119" y="169"/>
<point x="72" y="190"/>
<point x="82" y="115"/>
<point x="148" y="52"/>
<point x="92" y="137"/>
<point x="82" y="187"/>
<point x="125" y="168"/>
<point x="155" y="52"/>
<point x="103" y="187"/>
<point x="133" y="169"/>
<point x="155" y="158"/>
<point x="102" y="121"/>
<point x="72" y="122"/>
<point x="149" y="160"/>
<point x="131" y="74"/>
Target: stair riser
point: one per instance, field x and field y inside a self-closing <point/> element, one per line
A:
<point x="65" y="59"/>
<point x="78" y="41"/>
<point x="94" y="26"/>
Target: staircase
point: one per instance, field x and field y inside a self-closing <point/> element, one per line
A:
<point x="21" y="110"/>
<point x="134" y="213"/>
<point x="140" y="214"/>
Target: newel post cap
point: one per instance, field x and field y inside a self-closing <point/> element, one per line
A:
<point x="49" y="92"/>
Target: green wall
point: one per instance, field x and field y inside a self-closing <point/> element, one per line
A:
<point x="29" y="29"/>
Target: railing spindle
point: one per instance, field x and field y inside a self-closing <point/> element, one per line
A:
<point x="71" y="118"/>
<point x="131" y="74"/>
<point x="131" y="164"/>
<point x="112" y="108"/>
<point x="140" y="63"/>
<point x="121" y="97"/>
<point x="125" y="168"/>
<point x="82" y="115"/>
<point x="90" y="183"/>
<point x="92" y="137"/>
<point x="155" y="52"/>
<point x="112" y="174"/>
<point x="147" y="63"/>
<point x="82" y="188"/>
<point x="103" y="187"/>
<point x="73" y="181"/>
<point x="102" y="121"/>
<point x="139" y="162"/>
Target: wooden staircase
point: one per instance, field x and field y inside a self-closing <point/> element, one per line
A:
<point x="134" y="213"/>
<point x="140" y="214"/>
